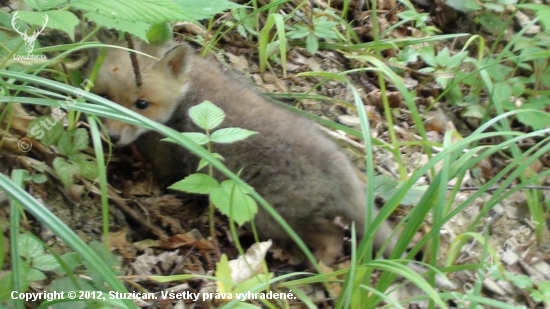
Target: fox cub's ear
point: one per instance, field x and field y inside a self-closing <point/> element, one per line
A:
<point x="175" y="61"/>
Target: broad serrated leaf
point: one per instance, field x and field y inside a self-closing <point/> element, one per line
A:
<point x="414" y="195"/>
<point x="223" y="273"/>
<point x="203" y="9"/>
<point x="457" y="60"/>
<point x="196" y="183"/>
<point x="443" y="57"/>
<point x="29" y="247"/>
<point x="148" y="11"/>
<point x="34" y="275"/>
<point x="537" y="121"/>
<point x="60" y="20"/>
<point x="73" y="141"/>
<point x="206" y="115"/>
<point x="43" y="5"/>
<point x="108" y="258"/>
<point x="45" y="262"/>
<point x="384" y="186"/>
<point x="88" y="167"/>
<point x="65" y="284"/>
<point x="72" y="260"/>
<point x="230" y="135"/>
<point x="137" y="28"/>
<point x="427" y="54"/>
<point x="502" y="92"/>
<point x="46" y="129"/>
<point x="65" y="170"/>
<point x="241" y="208"/>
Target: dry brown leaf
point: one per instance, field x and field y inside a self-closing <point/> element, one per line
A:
<point x="188" y="239"/>
<point x="119" y="241"/>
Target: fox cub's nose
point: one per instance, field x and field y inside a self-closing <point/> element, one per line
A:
<point x="115" y="138"/>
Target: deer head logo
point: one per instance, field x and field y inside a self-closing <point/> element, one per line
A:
<point x="29" y="40"/>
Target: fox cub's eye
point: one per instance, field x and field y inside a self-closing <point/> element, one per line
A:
<point x="142" y="104"/>
<point x="103" y="95"/>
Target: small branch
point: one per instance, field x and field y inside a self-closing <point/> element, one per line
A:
<point x="133" y="58"/>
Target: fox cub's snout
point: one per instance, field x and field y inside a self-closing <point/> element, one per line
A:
<point x="163" y="86"/>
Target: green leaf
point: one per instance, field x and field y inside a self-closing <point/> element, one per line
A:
<point x="29" y="247"/>
<point x="386" y="186"/>
<point x="45" y="262"/>
<point x="60" y="20"/>
<point x="457" y="60"/>
<point x="299" y="31"/>
<point x="5" y="281"/>
<point x="323" y="28"/>
<point x="537" y="121"/>
<point x="443" y="57"/>
<point x="230" y="135"/>
<point x="39" y="178"/>
<point x="223" y="273"/>
<point x="491" y="22"/>
<point x="241" y="208"/>
<point x="521" y="281"/>
<point x="414" y="195"/>
<point x="464" y="5"/>
<point x="88" y="167"/>
<point x="159" y="33"/>
<point x="73" y="141"/>
<point x="5" y="20"/>
<point x="203" y="162"/>
<point x="148" y="11"/>
<point x="46" y="129"/>
<point x="206" y="115"/>
<point x="43" y="5"/>
<point x="408" y="55"/>
<point x="72" y="259"/>
<point x="475" y="111"/>
<point x="204" y="9"/>
<point x="65" y="284"/>
<point x="108" y="257"/>
<point x="250" y="283"/>
<point x="196" y="183"/>
<point x="427" y="54"/>
<point x="34" y="275"/>
<point x="137" y="28"/>
<point x="65" y="170"/>
<point x="502" y="92"/>
<point x="499" y="8"/>
<point x="312" y="44"/>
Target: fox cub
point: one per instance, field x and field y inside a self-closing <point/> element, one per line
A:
<point x="291" y="163"/>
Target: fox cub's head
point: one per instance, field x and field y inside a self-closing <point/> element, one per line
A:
<point x="164" y="85"/>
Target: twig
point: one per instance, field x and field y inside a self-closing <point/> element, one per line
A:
<point x="133" y="58"/>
